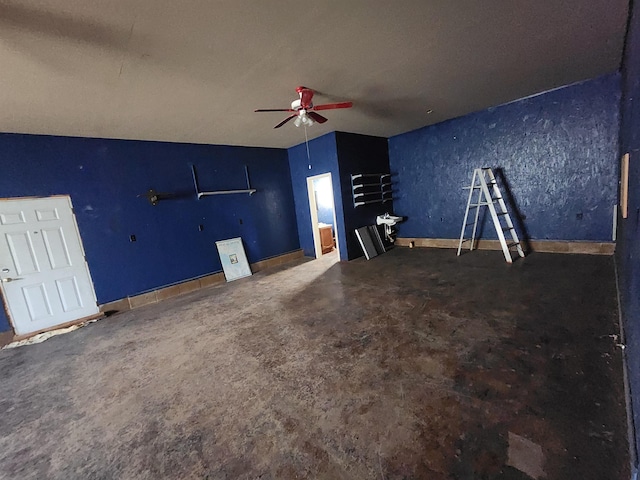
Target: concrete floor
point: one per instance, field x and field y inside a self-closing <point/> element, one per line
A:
<point x="414" y="365"/>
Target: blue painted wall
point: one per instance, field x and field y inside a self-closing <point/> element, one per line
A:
<point x="628" y="247"/>
<point x="325" y="215"/>
<point x="323" y="159"/>
<point x="105" y="178"/>
<point x="340" y="154"/>
<point x="360" y="154"/>
<point x="558" y="152"/>
<point x="4" y="321"/>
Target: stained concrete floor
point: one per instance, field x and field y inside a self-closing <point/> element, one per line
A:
<point x="414" y="365"/>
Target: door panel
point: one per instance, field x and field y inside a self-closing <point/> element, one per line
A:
<point x="45" y="279"/>
<point x="44" y="215"/>
<point x="11" y="218"/>
<point x="37" y="301"/>
<point x="56" y="246"/>
<point x="69" y="293"/>
<point x="22" y="253"/>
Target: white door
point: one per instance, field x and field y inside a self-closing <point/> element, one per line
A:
<point x="44" y="276"/>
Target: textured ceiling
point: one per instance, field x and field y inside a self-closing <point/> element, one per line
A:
<point x="194" y="71"/>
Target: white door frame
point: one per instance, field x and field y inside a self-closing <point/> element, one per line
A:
<point x="313" y="207"/>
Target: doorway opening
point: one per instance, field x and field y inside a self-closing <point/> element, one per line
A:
<point x="323" y="214"/>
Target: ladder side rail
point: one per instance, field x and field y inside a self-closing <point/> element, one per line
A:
<point x="466" y="213"/>
<point x="497" y="194"/>
<point x="511" y="229"/>
<point x="508" y="221"/>
<point x="496" y="221"/>
<point x="514" y="236"/>
<point x="503" y="208"/>
<point x="477" y="216"/>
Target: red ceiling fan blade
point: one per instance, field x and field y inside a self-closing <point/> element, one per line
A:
<point x="274" y="110"/>
<point x="331" y="106"/>
<point x="306" y="96"/>
<point x="316" y="116"/>
<point x="286" y="120"/>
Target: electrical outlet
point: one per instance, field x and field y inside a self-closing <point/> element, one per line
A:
<point x="132" y="238"/>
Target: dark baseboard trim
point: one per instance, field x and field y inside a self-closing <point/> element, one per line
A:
<point x="544" y="246"/>
<point x="187" y="286"/>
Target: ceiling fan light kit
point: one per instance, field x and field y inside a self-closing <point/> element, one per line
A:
<point x="304" y="111"/>
<point x="303" y="119"/>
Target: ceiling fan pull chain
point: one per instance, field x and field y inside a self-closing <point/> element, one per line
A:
<point x="306" y="141"/>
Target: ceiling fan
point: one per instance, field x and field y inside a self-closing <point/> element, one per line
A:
<point x="304" y="111"/>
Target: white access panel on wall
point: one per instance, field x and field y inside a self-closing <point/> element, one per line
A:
<point x="233" y="259"/>
<point x="44" y="276"/>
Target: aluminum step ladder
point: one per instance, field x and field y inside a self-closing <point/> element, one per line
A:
<point x="484" y="183"/>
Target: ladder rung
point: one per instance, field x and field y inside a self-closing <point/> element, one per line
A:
<point x="482" y="180"/>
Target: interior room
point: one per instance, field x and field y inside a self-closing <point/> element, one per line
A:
<point x="322" y="212"/>
<point x="185" y="291"/>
